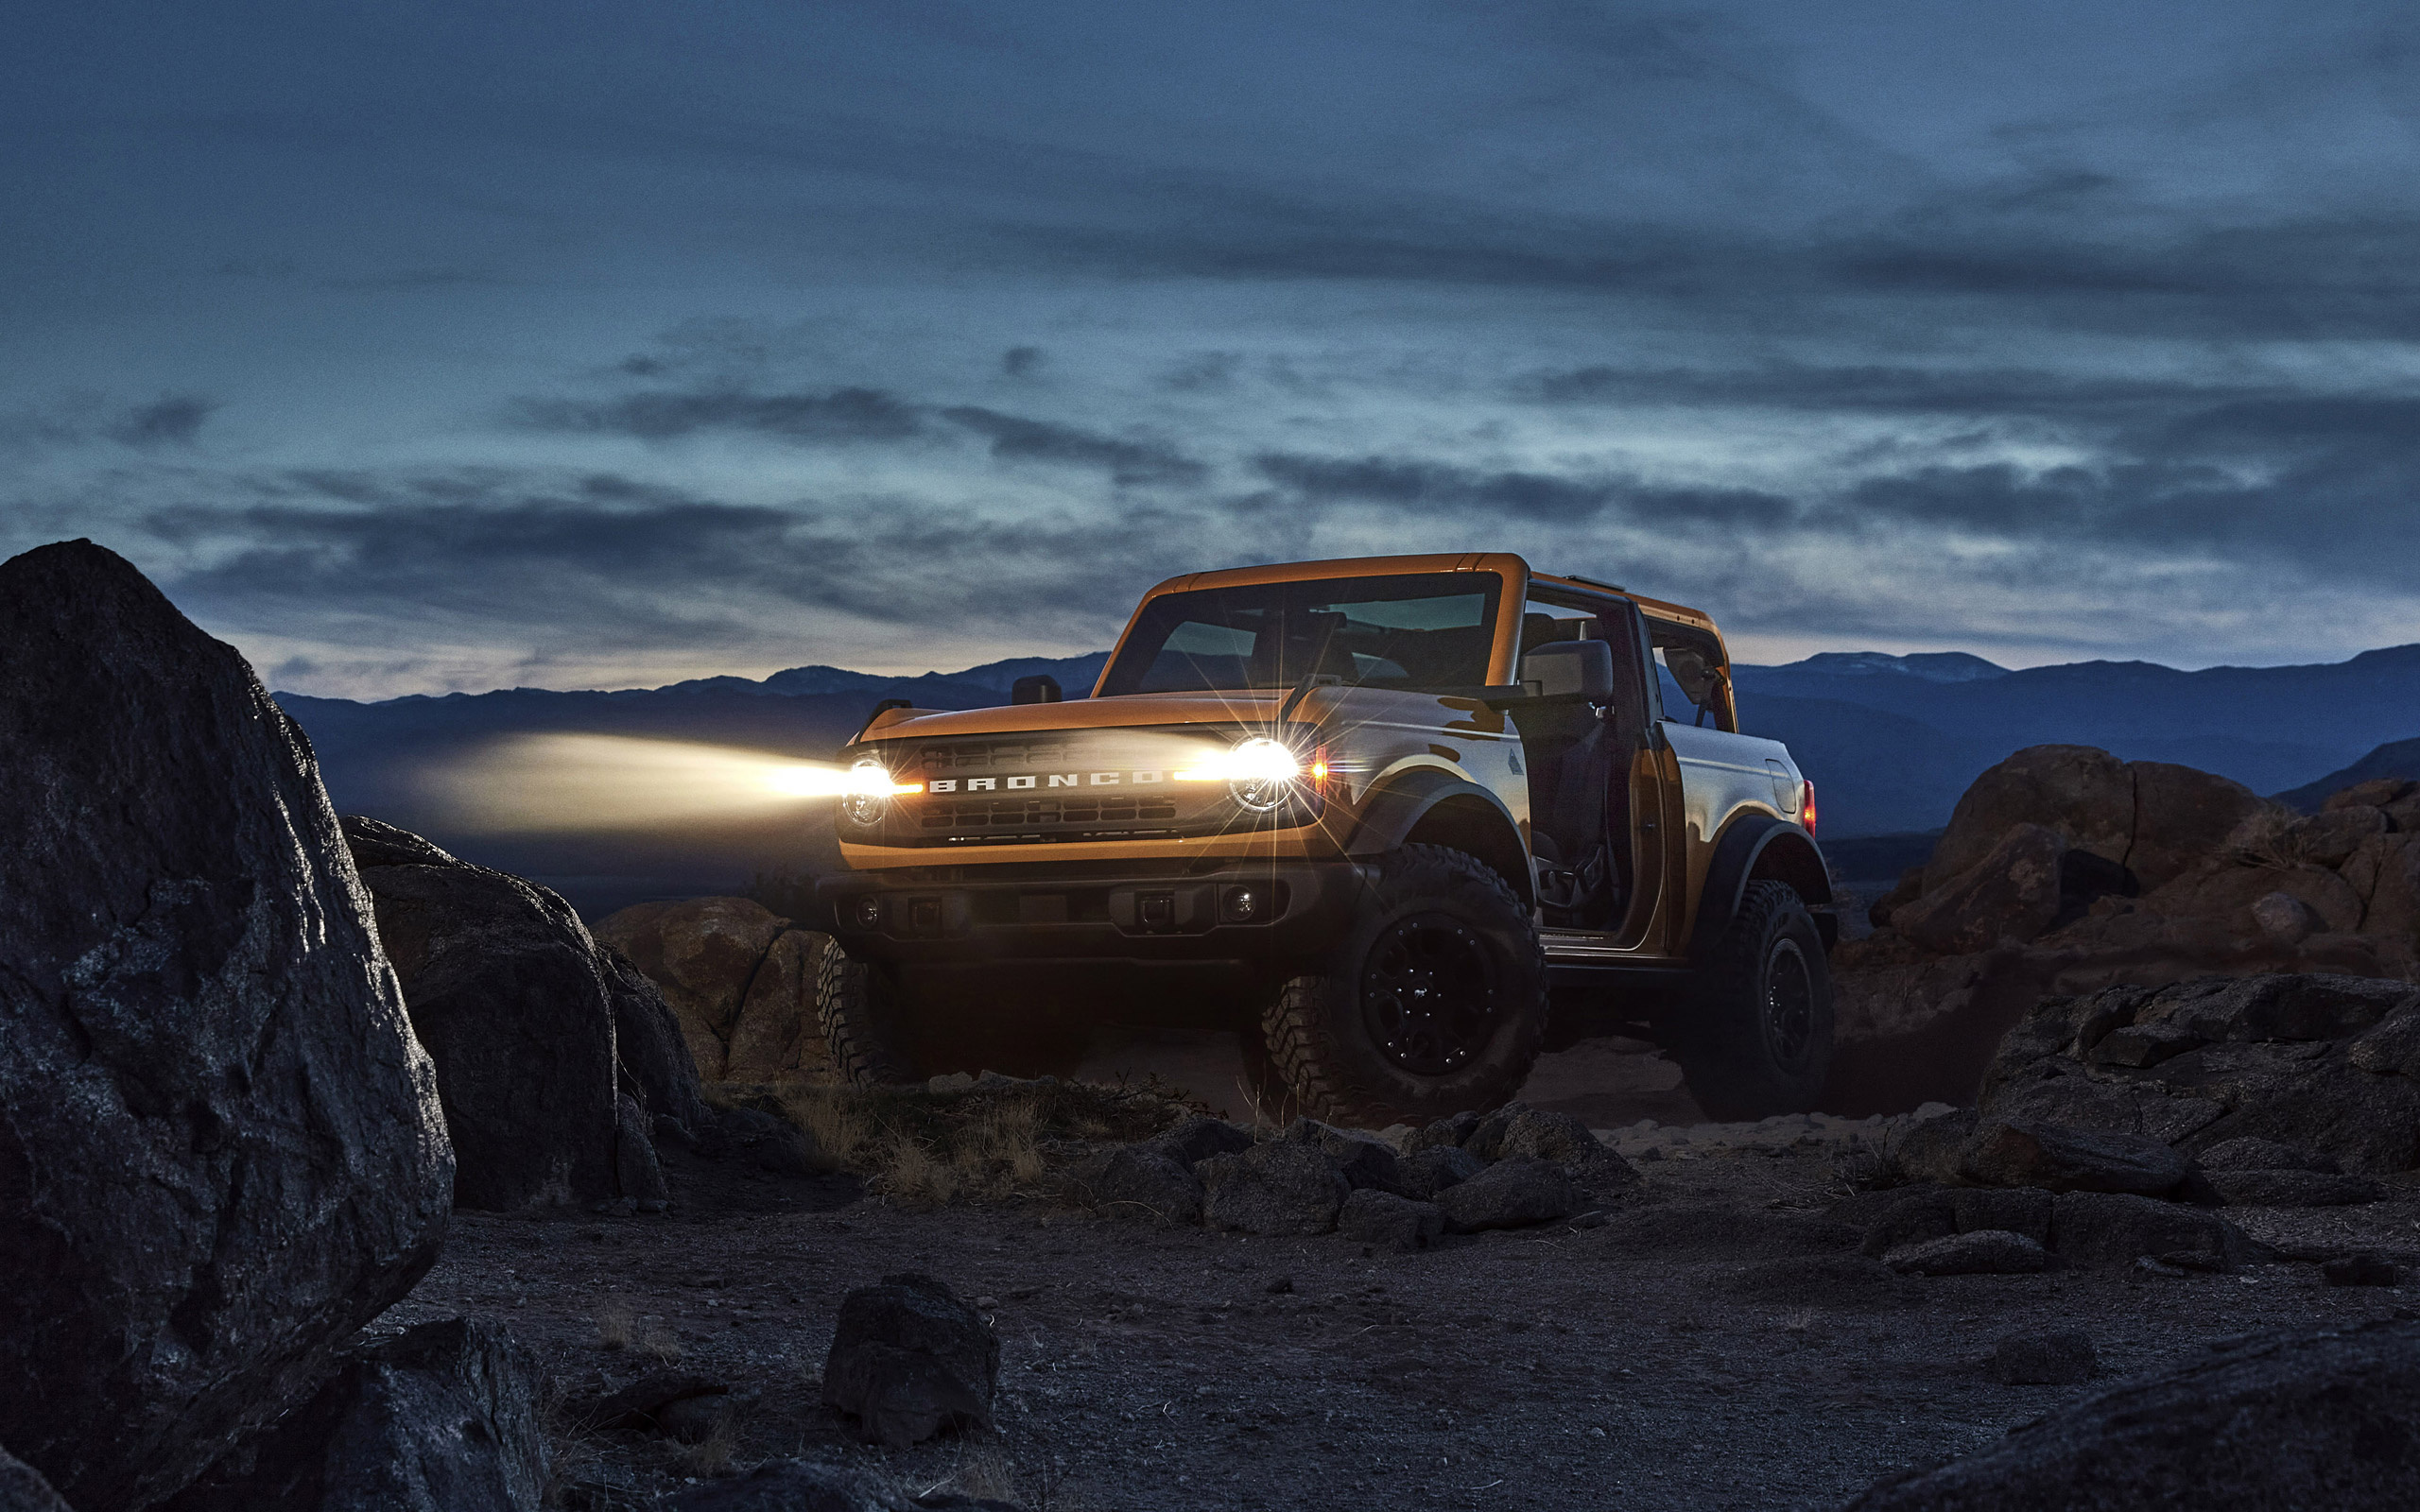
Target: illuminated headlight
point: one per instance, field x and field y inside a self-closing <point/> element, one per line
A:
<point x="865" y="796"/>
<point x="1261" y="774"/>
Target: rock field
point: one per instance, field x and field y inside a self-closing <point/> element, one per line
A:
<point x="1713" y="1339"/>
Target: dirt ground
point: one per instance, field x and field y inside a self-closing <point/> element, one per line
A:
<point x="1710" y="1345"/>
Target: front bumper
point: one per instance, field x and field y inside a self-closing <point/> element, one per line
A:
<point x="1246" y="912"/>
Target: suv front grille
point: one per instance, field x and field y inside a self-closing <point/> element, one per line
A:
<point x="1041" y="811"/>
<point x="1074" y="785"/>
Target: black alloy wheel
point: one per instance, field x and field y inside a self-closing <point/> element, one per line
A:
<point x="1433" y="1001"/>
<point x="1428" y="995"/>
<point x="1789" y="1002"/>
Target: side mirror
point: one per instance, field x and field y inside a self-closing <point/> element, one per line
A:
<point x="1040" y="688"/>
<point x="1571" y="669"/>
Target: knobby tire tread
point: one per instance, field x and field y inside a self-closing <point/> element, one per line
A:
<point x="1292" y="1023"/>
<point x="1715" y="1061"/>
<point x="849" y="1006"/>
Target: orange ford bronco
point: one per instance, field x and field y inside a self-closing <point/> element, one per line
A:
<point x="1382" y="815"/>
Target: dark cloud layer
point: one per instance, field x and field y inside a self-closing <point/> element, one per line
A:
<point x="1044" y="441"/>
<point x="2067" y="326"/>
<point x="1429" y="486"/>
<point x="840" y="415"/>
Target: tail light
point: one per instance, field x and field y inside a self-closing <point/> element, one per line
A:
<point x="1807" y="807"/>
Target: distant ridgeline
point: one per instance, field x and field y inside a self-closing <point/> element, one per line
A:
<point x="1891" y="741"/>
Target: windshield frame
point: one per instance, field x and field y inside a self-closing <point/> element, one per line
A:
<point x="1497" y="585"/>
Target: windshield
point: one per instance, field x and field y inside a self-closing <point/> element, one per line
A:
<point x="1404" y="630"/>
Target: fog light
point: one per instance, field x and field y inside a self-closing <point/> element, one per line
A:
<point x="866" y="912"/>
<point x="1239" y="905"/>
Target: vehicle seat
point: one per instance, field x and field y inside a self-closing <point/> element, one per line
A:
<point x="1579" y="772"/>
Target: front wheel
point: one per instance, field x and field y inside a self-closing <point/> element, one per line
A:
<point x="1433" y="1001"/>
<point x="1759" y="1037"/>
<point x="866" y="1020"/>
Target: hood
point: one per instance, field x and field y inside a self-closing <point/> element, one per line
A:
<point x="1130" y="710"/>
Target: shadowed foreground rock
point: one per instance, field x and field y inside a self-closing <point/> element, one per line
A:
<point x="442" y="1418"/>
<point x="504" y="990"/>
<point x="2316" y="1420"/>
<point x="23" y="1489"/>
<point x="908" y="1359"/>
<point x="254" y="1164"/>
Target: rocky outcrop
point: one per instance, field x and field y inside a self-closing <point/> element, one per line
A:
<point x="504" y="988"/>
<point x="2306" y="1420"/>
<point x="445" y="1418"/>
<point x="740" y="981"/>
<point x="2312" y="1065"/>
<point x="908" y="1359"/>
<point x="220" y="1148"/>
<point x="2064" y="871"/>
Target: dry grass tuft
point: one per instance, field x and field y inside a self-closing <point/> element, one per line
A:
<point x="659" y="1342"/>
<point x="616" y="1327"/>
<point x="981" y="1473"/>
<point x="2267" y="839"/>
<point x="716" y="1455"/>
<point x="984" y="1143"/>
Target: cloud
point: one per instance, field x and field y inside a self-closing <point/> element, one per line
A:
<point x="1126" y="462"/>
<point x="604" y="561"/>
<point x="81" y="419"/>
<point x="1438" y="487"/>
<point x="850" y="414"/>
<point x="170" y="420"/>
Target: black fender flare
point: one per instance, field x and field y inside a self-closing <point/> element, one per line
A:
<point x="1751" y="838"/>
<point x="1392" y="813"/>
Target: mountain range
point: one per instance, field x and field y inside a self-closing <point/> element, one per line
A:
<point x="1891" y="741"/>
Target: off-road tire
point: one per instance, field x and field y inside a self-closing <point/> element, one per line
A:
<point x="1318" y="1028"/>
<point x="866" y="1019"/>
<point x="1757" y="1038"/>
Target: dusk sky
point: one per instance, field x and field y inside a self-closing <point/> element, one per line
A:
<point x="425" y="347"/>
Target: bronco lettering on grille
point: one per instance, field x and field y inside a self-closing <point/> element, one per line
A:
<point x="1145" y="777"/>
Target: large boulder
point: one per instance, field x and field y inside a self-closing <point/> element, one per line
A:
<point x="2053" y="1158"/>
<point x="445" y="1418"/>
<point x="740" y="980"/>
<point x="908" y="1359"/>
<point x="2085" y="796"/>
<point x="2166" y="874"/>
<point x="2302" y="1420"/>
<point x="2011" y="894"/>
<point x="1280" y="1187"/>
<point x="652" y="1060"/>
<point x="1139" y="1183"/>
<point x="2118" y="1228"/>
<point x="1515" y="1191"/>
<point x="2301" y="1061"/>
<point x="505" y="990"/>
<point x="220" y="1146"/>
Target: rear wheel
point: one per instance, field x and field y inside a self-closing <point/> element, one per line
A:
<point x="1759" y="1039"/>
<point x="1433" y="1001"/>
